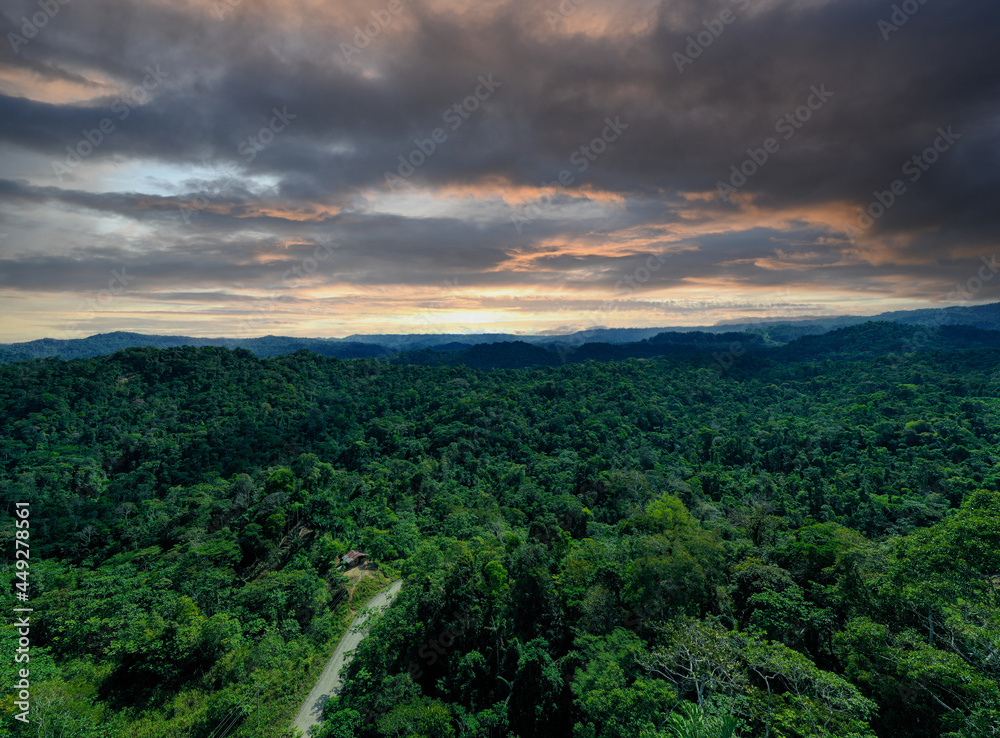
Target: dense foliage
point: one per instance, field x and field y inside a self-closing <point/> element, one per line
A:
<point x="799" y="542"/>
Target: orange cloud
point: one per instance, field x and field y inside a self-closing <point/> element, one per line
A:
<point x="56" y="90"/>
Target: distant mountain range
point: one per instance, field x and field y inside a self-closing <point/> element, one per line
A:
<point x="108" y="343"/>
<point x="722" y="350"/>
<point x="929" y="329"/>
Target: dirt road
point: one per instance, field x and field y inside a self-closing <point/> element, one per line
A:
<point x="329" y="683"/>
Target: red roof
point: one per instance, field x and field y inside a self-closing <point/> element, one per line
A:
<point x="353" y="556"/>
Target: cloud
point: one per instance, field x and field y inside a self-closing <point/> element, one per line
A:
<point x="171" y="191"/>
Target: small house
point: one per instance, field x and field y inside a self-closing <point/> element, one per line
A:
<point x="353" y="558"/>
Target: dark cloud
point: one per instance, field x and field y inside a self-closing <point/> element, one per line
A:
<point x="188" y="91"/>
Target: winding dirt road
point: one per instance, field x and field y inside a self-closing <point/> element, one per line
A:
<point x="329" y="682"/>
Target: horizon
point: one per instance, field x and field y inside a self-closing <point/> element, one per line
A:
<point x="779" y="320"/>
<point x="241" y="168"/>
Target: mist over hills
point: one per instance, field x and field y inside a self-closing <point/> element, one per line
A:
<point x="482" y="349"/>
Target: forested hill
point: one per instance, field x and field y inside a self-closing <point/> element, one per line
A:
<point x="797" y="541"/>
<point x="108" y="343"/>
<point x="772" y="331"/>
<point x="870" y="340"/>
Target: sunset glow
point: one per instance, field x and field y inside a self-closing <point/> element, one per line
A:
<point x="367" y="167"/>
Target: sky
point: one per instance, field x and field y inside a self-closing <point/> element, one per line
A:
<point x="253" y="167"/>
